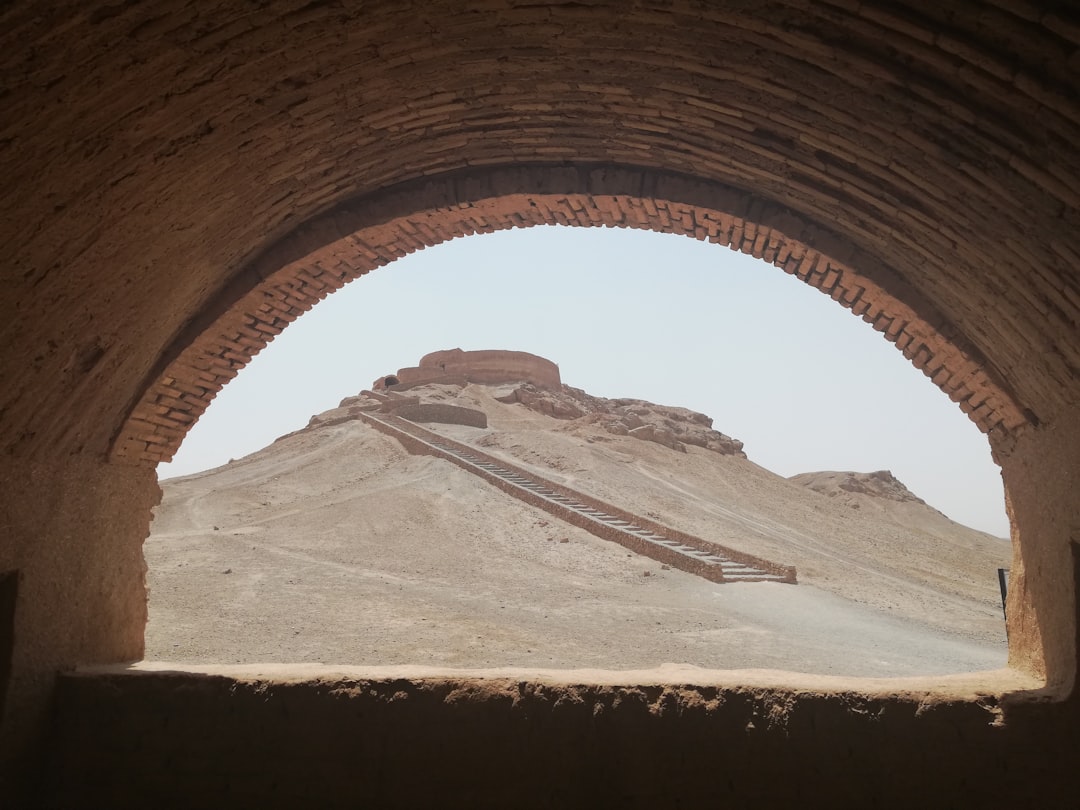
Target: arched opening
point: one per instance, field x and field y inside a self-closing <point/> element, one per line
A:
<point x="348" y="242"/>
<point x="763" y="270"/>
<point x="938" y="139"/>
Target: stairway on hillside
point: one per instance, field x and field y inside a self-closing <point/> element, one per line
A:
<point x="682" y="551"/>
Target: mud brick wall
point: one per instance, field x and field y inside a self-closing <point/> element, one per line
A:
<point x="495" y="366"/>
<point x="486" y="366"/>
<point x="182" y="180"/>
<point x="394" y="401"/>
<point x="443" y="413"/>
<point x="412" y="378"/>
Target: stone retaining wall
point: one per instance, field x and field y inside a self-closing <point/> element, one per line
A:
<point x="443" y="413"/>
<point x="437" y="379"/>
<point x="394" y="401"/>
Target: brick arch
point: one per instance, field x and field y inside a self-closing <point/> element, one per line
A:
<point x="150" y="151"/>
<point x="324" y="254"/>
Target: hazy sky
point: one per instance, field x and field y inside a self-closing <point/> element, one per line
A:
<point x="804" y="383"/>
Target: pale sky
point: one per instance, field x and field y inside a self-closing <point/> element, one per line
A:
<point x="802" y="382"/>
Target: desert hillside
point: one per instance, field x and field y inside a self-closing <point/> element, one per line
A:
<point x="334" y="544"/>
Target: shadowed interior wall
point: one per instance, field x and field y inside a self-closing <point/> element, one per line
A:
<point x="340" y="740"/>
<point x="73" y="530"/>
<point x="171" y="169"/>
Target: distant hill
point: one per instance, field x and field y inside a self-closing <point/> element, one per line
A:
<point x="880" y="484"/>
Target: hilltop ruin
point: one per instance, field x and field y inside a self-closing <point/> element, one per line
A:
<point x="459" y="367"/>
<point x="535" y="382"/>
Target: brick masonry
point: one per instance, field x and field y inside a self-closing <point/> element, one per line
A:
<point x="488" y="366"/>
<point x="442" y="413"/>
<point x="204" y="363"/>
<point x="176" y="175"/>
<point x="198" y="150"/>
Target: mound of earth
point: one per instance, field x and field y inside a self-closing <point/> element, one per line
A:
<point x="335" y="545"/>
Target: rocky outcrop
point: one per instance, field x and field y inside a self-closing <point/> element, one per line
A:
<point x="669" y="426"/>
<point x="881" y="484"/>
<point x="545" y="402"/>
<point x="534" y="382"/>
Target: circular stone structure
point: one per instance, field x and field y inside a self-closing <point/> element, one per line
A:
<point x="488" y="366"/>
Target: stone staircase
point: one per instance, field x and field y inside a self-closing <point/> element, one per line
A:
<point x="666" y="545"/>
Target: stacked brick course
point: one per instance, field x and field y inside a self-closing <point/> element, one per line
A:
<point x="930" y="145"/>
<point x="187" y="385"/>
<point x="442" y="413"/>
<point x="457" y="367"/>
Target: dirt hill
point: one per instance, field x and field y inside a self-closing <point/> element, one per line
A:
<point x="334" y="544"/>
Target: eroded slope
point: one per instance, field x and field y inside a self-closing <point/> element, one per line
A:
<point x="335" y="545"/>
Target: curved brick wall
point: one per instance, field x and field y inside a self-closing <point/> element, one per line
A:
<point x="442" y="413"/>
<point x="424" y="379"/>
<point x="486" y="366"/>
<point x="495" y="366"/>
<point x="182" y="179"/>
<point x="949" y="181"/>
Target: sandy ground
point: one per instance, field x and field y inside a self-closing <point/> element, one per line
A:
<point x="336" y="546"/>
